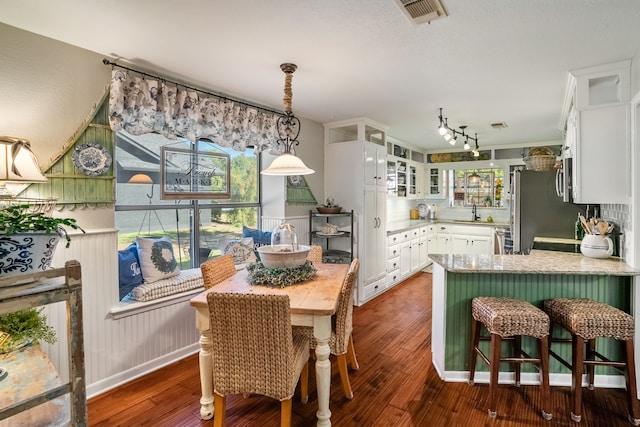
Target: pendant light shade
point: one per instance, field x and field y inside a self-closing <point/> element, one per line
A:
<point x="288" y="126"/>
<point x="287" y="164"/>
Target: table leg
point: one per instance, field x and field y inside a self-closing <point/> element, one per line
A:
<point x="206" y="375"/>
<point x="322" y="333"/>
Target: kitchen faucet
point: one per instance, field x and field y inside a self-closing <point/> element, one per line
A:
<point x="474" y="213"/>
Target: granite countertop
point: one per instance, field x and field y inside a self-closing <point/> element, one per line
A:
<point x="398" y="226"/>
<point x="539" y="262"/>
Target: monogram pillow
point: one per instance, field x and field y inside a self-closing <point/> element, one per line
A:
<point x="129" y="273"/>
<point x="156" y="259"/>
<point x="240" y="249"/>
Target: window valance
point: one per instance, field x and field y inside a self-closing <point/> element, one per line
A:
<point x="139" y="105"/>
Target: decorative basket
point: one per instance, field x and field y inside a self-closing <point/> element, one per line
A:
<point x="540" y="163"/>
<point x="324" y="210"/>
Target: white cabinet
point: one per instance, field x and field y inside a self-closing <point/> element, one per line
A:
<point x="597" y="117"/>
<point x="405" y="259"/>
<point x="435" y="183"/>
<point x="356" y="177"/>
<point x="472" y="239"/>
<point x="375" y="165"/>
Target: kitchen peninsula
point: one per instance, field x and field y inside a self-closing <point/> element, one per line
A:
<point x="457" y="279"/>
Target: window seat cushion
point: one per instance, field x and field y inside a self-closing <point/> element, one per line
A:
<point x="184" y="281"/>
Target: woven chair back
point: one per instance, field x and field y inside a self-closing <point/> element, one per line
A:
<point x="344" y="312"/>
<point x="217" y="269"/>
<point x="315" y="255"/>
<point x="252" y="344"/>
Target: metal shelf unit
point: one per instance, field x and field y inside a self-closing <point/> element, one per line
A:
<point x="338" y="248"/>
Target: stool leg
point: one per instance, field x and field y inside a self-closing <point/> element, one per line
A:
<point x="473" y="355"/>
<point x="544" y="377"/>
<point x="494" y="368"/>
<point x="576" y="383"/>
<point x="591" y="369"/>
<point x="517" y="350"/>
<point x="630" y="377"/>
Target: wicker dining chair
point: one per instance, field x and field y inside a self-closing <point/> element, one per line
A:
<point x="255" y="350"/>
<point x="341" y="341"/>
<point x="315" y="254"/>
<point x="217" y="269"/>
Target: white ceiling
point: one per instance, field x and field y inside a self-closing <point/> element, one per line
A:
<point x="488" y="61"/>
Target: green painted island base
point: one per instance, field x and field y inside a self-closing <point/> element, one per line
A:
<point x="452" y="295"/>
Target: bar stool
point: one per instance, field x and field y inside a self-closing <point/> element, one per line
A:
<point x="587" y="320"/>
<point x="505" y="318"/>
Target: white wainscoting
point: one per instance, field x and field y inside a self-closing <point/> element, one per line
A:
<point x="116" y="351"/>
<point x="301" y="224"/>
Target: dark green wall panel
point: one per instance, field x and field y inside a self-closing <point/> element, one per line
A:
<point x="535" y="288"/>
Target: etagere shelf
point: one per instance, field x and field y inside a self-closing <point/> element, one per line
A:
<point x="337" y="247"/>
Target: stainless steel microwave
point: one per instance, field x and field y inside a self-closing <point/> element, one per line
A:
<point x="564" y="178"/>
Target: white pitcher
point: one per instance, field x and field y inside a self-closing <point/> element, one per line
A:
<point x="596" y="246"/>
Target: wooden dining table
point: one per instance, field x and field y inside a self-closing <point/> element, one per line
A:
<point x="313" y="302"/>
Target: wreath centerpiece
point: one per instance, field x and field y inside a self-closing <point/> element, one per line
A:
<point x="281" y="277"/>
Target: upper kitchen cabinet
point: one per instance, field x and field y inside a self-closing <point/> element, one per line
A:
<point x="596" y="116"/>
<point x="405" y="170"/>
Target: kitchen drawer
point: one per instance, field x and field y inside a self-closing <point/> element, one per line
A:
<point x="440" y="228"/>
<point x="393" y="264"/>
<point x="393" y="277"/>
<point x="414" y="233"/>
<point x="395" y="238"/>
<point x="393" y="251"/>
<point x="374" y="289"/>
<point x="424" y="231"/>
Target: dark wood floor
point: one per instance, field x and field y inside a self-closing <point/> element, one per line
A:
<point x="395" y="386"/>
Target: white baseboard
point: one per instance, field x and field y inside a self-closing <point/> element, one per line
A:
<point x="124" y="377"/>
<point x="532" y="378"/>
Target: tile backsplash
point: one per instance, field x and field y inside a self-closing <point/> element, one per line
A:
<point x="620" y="215"/>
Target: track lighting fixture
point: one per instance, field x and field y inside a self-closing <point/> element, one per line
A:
<point x="451" y="135"/>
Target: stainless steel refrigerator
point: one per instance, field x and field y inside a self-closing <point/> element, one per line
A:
<point x="537" y="211"/>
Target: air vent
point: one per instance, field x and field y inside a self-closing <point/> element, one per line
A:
<point x="421" y="11"/>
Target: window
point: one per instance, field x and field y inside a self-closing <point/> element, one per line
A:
<point x="482" y="187"/>
<point x="196" y="227"/>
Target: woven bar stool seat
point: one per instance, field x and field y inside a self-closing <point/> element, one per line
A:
<point x="586" y="320"/>
<point x="506" y="318"/>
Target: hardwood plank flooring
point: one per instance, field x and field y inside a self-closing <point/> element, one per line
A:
<point x="395" y="386"/>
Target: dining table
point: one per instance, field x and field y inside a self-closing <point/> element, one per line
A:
<point x="312" y="303"/>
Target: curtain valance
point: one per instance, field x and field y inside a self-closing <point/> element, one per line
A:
<point x="142" y="105"/>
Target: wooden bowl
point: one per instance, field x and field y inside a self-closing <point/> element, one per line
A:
<point x="324" y="210"/>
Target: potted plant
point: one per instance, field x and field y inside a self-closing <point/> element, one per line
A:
<point x="28" y="239"/>
<point x="24" y="327"/>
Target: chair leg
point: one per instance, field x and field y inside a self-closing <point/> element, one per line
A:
<point x="630" y="376"/>
<point x="219" y="405"/>
<point x="352" y="354"/>
<point x="304" y="383"/>
<point x="517" y="352"/>
<point x="544" y="374"/>
<point x="285" y="413"/>
<point x="494" y="368"/>
<point x="576" y="383"/>
<point x="344" y="375"/>
<point x="473" y="355"/>
<point x="591" y="369"/>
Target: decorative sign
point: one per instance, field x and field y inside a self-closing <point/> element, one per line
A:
<point x="190" y="174"/>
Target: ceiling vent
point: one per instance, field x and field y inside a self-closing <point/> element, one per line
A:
<point x="421" y="11"/>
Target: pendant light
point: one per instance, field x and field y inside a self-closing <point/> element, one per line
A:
<point x="288" y="126"/>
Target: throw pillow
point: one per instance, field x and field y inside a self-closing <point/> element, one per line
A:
<point x="241" y="250"/>
<point x="156" y="258"/>
<point x="129" y="274"/>
<point x="259" y="237"/>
